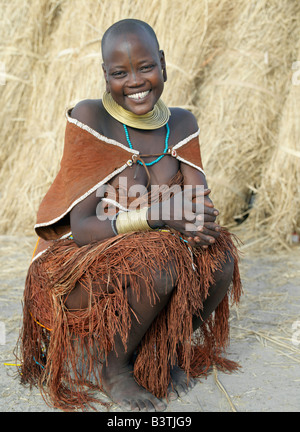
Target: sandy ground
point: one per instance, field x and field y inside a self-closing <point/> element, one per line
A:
<point x="265" y="339"/>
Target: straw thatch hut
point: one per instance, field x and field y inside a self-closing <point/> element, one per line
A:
<point x="233" y="64"/>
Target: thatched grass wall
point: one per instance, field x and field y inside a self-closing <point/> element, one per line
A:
<point x="232" y="63"/>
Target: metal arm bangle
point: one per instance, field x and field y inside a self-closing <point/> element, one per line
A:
<point x="135" y="220"/>
<point x="113" y="223"/>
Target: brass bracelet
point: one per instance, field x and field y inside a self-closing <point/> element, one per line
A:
<point x="135" y="220"/>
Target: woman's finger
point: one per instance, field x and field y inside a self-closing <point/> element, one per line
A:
<point x="209" y="228"/>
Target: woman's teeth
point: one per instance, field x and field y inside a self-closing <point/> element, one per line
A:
<point x="138" y="96"/>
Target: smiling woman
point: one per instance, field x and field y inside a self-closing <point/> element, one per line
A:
<point x="115" y="301"/>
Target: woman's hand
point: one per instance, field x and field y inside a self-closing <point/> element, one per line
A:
<point x="207" y="230"/>
<point x="183" y="213"/>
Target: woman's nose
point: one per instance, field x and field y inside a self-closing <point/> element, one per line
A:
<point x="135" y="79"/>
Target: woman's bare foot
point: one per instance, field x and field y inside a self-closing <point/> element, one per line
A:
<point x="122" y="388"/>
<point x="179" y="384"/>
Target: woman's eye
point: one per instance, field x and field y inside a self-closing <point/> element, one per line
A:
<point x="118" y="74"/>
<point x="147" y="68"/>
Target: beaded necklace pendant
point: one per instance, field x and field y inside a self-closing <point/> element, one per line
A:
<point x="159" y="157"/>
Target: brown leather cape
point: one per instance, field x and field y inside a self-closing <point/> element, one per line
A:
<point x="89" y="161"/>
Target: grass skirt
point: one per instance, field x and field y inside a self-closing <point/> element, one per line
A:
<point x="62" y="350"/>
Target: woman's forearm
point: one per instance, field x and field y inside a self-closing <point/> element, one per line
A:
<point x="91" y="229"/>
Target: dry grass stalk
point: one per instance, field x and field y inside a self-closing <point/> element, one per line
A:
<point x="274" y="339"/>
<point x="278" y="204"/>
<point x="223" y="390"/>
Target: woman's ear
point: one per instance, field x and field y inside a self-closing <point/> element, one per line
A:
<point x="105" y="77"/>
<point x="163" y="65"/>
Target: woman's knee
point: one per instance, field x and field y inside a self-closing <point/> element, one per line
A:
<point x="225" y="273"/>
<point x="81" y="297"/>
<point x="78" y="298"/>
<point x="164" y="280"/>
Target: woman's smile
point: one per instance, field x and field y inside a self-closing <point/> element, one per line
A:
<point x="139" y="96"/>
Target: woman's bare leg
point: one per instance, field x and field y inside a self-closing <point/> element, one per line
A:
<point x="117" y="371"/>
<point x="222" y="281"/>
<point x="180" y="385"/>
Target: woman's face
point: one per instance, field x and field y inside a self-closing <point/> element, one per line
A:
<point x="133" y="68"/>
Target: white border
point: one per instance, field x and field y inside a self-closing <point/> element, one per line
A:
<point x="190" y="163"/>
<point x="98" y="135"/>
<point x="65" y="236"/>
<point x="186" y="140"/>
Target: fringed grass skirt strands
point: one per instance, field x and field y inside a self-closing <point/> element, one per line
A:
<point x="63" y="350"/>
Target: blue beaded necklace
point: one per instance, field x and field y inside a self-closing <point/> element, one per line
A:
<point x="160" y="157"/>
